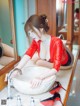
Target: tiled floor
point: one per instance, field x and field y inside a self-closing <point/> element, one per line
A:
<point x="74" y="96"/>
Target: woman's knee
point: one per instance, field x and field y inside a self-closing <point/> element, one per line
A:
<point x="39" y="62"/>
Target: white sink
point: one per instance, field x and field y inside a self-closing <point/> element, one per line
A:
<point x="22" y="83"/>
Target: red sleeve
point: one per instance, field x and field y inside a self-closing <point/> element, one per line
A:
<point x="58" y="54"/>
<point x="32" y="49"/>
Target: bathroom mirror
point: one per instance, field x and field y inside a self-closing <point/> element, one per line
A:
<point x="76" y="22"/>
<point x="7" y="36"/>
<point x="61" y="11"/>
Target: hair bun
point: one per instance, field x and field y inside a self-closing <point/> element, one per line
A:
<point x="44" y="18"/>
<point x="44" y="22"/>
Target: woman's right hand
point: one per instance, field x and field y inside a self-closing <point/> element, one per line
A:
<point x="36" y="82"/>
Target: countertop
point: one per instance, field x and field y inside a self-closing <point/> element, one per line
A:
<point x="64" y="77"/>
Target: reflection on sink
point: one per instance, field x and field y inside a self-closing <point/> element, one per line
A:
<point x="22" y="83"/>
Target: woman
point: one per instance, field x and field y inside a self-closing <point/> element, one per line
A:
<point x="76" y="13"/>
<point x="51" y="50"/>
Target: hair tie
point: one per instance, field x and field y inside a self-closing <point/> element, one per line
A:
<point x="46" y="20"/>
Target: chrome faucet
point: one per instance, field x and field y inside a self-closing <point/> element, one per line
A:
<point x="10" y="82"/>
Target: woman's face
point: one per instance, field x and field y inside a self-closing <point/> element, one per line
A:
<point x="35" y="34"/>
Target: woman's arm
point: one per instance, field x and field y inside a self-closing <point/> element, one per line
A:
<point x="8" y="50"/>
<point x="29" y="53"/>
<point x="36" y="82"/>
<point x="23" y="61"/>
<point x="58" y="55"/>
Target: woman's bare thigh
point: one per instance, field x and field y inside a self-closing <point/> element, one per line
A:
<point x="44" y="63"/>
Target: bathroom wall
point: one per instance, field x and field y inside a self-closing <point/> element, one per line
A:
<point x="31" y="7"/>
<point x="22" y="10"/>
<point x="5" y="28"/>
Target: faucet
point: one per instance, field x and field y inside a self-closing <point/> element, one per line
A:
<point x="9" y="87"/>
<point x="10" y="82"/>
<point x="32" y="101"/>
<point x="19" y="100"/>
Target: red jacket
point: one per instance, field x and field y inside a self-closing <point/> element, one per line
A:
<point x="58" y="53"/>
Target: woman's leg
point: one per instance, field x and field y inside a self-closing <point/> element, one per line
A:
<point x="70" y="62"/>
<point x="44" y="63"/>
<point x="8" y="50"/>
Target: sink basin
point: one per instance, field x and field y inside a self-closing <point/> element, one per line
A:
<point x="22" y="82"/>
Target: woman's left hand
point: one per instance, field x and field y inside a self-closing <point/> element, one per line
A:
<point x="36" y="82"/>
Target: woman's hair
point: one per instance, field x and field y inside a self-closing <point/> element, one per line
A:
<point x="77" y="10"/>
<point x="37" y="22"/>
<point x="1" y="50"/>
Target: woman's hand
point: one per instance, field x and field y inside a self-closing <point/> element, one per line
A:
<point x="36" y="82"/>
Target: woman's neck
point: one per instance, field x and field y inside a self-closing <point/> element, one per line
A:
<point x="44" y="36"/>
